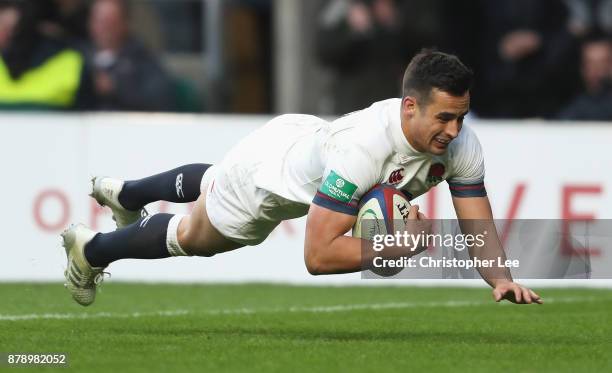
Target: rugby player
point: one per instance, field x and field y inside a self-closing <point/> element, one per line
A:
<point x="298" y="165"/>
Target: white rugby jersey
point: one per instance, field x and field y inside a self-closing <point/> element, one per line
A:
<point x="305" y="159"/>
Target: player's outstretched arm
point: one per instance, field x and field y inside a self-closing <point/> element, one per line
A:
<point x="475" y="217"/>
<point x="327" y="250"/>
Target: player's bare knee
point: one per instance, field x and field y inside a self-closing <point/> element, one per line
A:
<point x="193" y="246"/>
<point x="182" y="230"/>
<point x="189" y="237"/>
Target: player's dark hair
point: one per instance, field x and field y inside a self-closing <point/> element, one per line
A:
<point x="431" y="69"/>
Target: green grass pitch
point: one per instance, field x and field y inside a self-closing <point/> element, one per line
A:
<point x="267" y="328"/>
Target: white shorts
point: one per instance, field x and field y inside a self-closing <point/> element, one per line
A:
<point x="239" y="201"/>
<point x="241" y="211"/>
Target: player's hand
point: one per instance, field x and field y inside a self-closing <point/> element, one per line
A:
<point x="515" y="293"/>
<point x="418" y="224"/>
<point x="415" y="214"/>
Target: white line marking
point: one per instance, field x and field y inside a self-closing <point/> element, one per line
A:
<point x="294" y="309"/>
<point x="97" y="315"/>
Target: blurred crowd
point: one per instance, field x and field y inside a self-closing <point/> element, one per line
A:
<point x="532" y="58"/>
<point x="77" y="55"/>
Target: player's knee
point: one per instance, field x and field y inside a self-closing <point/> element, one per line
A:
<point x="191" y="239"/>
<point x="197" y="247"/>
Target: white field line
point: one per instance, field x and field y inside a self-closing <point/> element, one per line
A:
<point x="294" y="309"/>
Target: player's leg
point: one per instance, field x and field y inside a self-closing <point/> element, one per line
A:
<point x="197" y="236"/>
<point x="179" y="185"/>
<point x="127" y="199"/>
<point x="159" y="236"/>
<point x="151" y="237"/>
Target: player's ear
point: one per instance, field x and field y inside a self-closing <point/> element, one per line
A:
<point x="409" y="106"/>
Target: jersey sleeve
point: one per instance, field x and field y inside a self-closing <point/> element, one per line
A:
<point x="467" y="179"/>
<point x="348" y="175"/>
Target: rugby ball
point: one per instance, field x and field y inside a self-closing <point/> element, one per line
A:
<point x="382" y="210"/>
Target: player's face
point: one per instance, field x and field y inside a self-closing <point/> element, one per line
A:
<point x="432" y="127"/>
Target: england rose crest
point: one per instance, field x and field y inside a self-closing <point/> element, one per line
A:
<point x="436" y="171"/>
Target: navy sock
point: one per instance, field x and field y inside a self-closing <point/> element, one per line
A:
<point x="145" y="239"/>
<point x="181" y="184"/>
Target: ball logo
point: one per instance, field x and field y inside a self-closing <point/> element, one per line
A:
<point x="339" y="183"/>
<point x="396" y="176"/>
<point x="403" y="210"/>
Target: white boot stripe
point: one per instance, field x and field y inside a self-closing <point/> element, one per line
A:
<point x="76" y="271"/>
<point x="72" y="279"/>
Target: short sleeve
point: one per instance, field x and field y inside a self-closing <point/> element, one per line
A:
<point x="348" y="174"/>
<point x="467" y="178"/>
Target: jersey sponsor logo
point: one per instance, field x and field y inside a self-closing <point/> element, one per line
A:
<point x="396" y="176"/>
<point x="338" y="188"/>
<point x="436" y="172"/>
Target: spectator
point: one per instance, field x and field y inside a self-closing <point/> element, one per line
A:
<point x="65" y="19"/>
<point x="126" y="75"/>
<point x="529" y="65"/>
<point x="367" y="44"/>
<point x="37" y="72"/>
<point x="595" y="103"/>
<point x="588" y="16"/>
